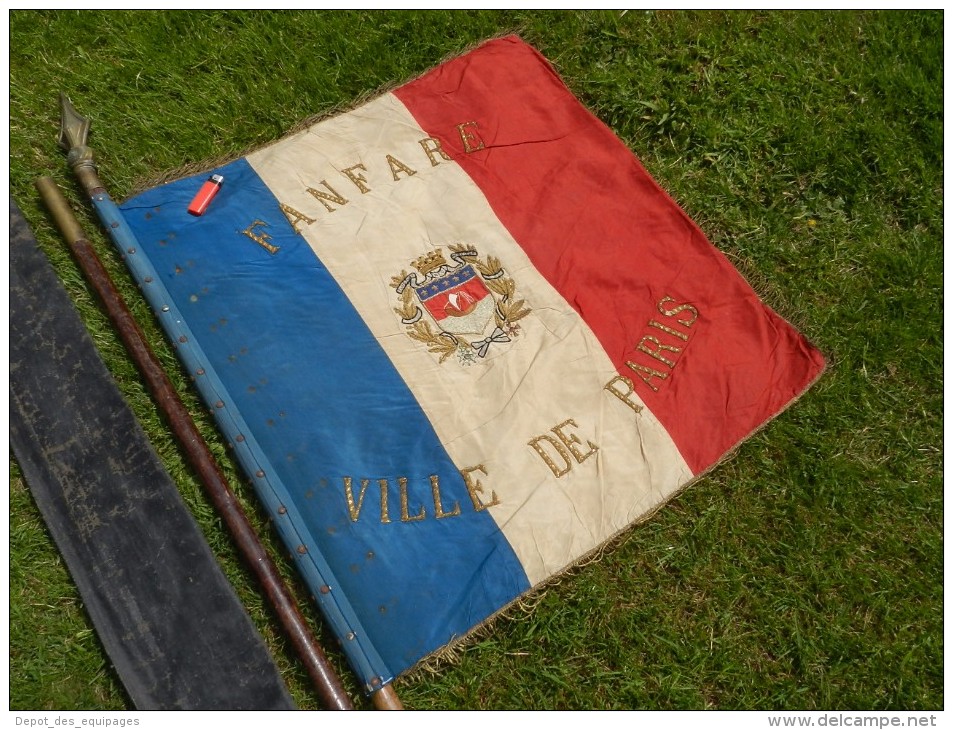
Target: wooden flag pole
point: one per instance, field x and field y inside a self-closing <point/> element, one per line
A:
<point x="327" y="684"/>
<point x="74" y="130"/>
<point x="386" y="698"/>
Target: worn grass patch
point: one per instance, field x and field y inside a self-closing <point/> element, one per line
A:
<point x="803" y="573"/>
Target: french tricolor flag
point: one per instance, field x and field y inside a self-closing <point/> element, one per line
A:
<point x="459" y="339"/>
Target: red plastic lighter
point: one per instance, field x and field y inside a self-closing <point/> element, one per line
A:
<point x="204" y="196"/>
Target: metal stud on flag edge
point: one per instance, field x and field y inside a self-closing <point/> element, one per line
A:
<point x="670" y="325"/>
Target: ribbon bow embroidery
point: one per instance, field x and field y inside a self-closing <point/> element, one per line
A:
<point x="483" y="345"/>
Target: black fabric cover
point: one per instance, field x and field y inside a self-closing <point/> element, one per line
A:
<point x="168" y="618"/>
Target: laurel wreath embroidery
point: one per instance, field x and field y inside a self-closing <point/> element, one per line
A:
<point x="507" y="313"/>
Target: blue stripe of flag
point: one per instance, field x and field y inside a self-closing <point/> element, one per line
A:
<point x="323" y="402"/>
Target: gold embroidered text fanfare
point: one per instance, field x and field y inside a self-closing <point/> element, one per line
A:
<point x="329" y="193"/>
<point x="331" y="198"/>
<point x="259" y="236"/>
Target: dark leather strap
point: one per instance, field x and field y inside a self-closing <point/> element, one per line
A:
<point x="170" y="621"/>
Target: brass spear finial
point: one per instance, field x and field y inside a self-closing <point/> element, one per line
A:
<point x="74" y="131"/>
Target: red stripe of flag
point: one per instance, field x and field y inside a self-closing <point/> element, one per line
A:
<point x="705" y="354"/>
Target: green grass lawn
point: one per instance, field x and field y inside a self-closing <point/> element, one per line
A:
<point x="805" y="572"/>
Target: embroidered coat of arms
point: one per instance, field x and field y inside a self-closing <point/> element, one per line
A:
<point x="461" y="307"/>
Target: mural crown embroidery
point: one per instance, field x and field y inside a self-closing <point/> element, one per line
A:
<point x="430" y="261"/>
